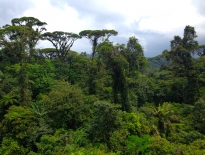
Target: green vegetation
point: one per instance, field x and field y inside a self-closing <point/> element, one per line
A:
<point x="55" y="101"/>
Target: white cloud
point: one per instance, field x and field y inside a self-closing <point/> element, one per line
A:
<point x="157" y="15"/>
<point x="144" y="19"/>
<point x="58" y="19"/>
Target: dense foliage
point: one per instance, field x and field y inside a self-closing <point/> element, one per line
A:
<point x="56" y="101"/>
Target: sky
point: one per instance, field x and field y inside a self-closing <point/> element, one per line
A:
<point x="153" y="22"/>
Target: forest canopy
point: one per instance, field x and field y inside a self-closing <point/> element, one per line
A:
<point x="117" y="101"/>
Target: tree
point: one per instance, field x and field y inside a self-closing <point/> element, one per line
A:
<point x="64" y="106"/>
<point x="138" y="145"/>
<point x="21" y="37"/>
<point x="143" y="88"/>
<point x="11" y="146"/>
<point x="34" y="24"/>
<point x="15" y="40"/>
<point x="8" y="99"/>
<point x="163" y="113"/>
<point x="118" y="66"/>
<point x="199" y="72"/>
<point x="198" y="116"/>
<point x="20" y="122"/>
<point x="19" y="40"/>
<point x="135" y="55"/>
<point x="182" y="62"/>
<point x="104" y="122"/>
<point x="40" y="77"/>
<point x="181" y="49"/>
<point x="188" y="40"/>
<point x="95" y="35"/>
<point x="62" y="41"/>
<point x="49" y="53"/>
<point x="31" y="22"/>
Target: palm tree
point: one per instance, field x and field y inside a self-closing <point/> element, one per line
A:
<point x="163" y="113"/>
<point x="7" y="99"/>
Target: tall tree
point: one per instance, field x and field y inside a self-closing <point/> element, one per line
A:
<point x="135" y="55"/>
<point x="95" y="35"/>
<point x="163" y="113"/>
<point x="182" y="48"/>
<point x="15" y="40"/>
<point x="118" y="65"/>
<point x="20" y="40"/>
<point x="182" y="62"/>
<point x="62" y="41"/>
<point x="33" y="23"/>
<point x="21" y="37"/>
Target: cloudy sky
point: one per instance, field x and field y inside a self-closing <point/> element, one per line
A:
<point x="153" y="22"/>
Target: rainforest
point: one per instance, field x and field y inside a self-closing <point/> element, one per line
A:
<point x="114" y="101"/>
